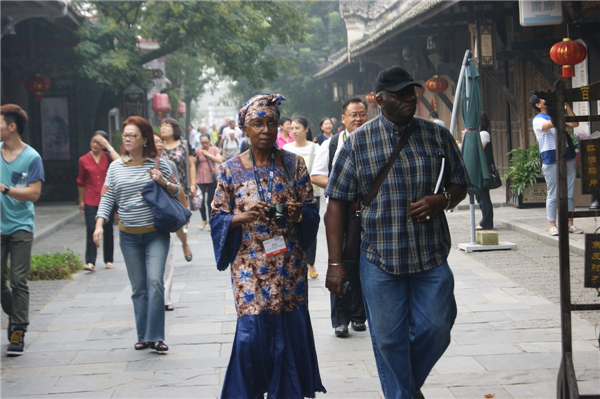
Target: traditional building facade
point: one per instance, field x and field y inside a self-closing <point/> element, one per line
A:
<point x="430" y="38"/>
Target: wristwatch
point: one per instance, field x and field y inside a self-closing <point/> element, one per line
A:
<point x="448" y="198"/>
<point x="6" y="189"/>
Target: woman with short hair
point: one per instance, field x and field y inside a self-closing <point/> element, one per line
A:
<point x="93" y="167"/>
<point x="144" y="248"/>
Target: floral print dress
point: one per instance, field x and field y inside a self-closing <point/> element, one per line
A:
<point x="273" y="349"/>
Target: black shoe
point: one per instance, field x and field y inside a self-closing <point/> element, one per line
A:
<point x="358" y="326"/>
<point x="420" y="395"/>
<point x="595" y="203"/>
<point x="341" y="331"/>
<point x="17" y="343"/>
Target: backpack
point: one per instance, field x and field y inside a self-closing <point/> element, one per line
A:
<point x="333" y="145"/>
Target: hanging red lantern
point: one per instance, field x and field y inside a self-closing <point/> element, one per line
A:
<point x="37" y="85"/>
<point x="182" y="108"/>
<point x="568" y="53"/>
<point x="160" y="104"/>
<point x="372" y="99"/>
<point x="434" y="103"/>
<point x="436" y="84"/>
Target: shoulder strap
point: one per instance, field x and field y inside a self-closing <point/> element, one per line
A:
<point x="333" y="144"/>
<point x="383" y="174"/>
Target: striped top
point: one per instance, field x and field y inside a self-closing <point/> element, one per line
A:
<point x="124" y="181"/>
<point x="547" y="139"/>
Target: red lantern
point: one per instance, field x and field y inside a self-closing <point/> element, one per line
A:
<point x="434" y="104"/>
<point x="372" y="99"/>
<point x="37" y="85"/>
<point x="182" y="108"/>
<point x="568" y="53"/>
<point x="436" y="84"/>
<point x="160" y="104"/>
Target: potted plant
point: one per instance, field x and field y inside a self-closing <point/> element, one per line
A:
<point x="527" y="187"/>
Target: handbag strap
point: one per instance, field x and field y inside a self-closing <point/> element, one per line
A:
<point x="383" y="174"/>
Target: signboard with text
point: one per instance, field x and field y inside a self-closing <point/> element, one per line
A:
<point x="591" y="278"/>
<point x="534" y="13"/>
<point x="590" y="166"/>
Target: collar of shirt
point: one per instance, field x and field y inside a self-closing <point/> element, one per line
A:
<point x="391" y="128"/>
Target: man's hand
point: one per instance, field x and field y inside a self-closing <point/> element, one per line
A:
<point x="425" y="208"/>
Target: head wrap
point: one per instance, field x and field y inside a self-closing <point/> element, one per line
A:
<point x="259" y="106"/>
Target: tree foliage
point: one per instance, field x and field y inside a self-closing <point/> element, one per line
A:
<point x="231" y="35"/>
<point x="325" y="34"/>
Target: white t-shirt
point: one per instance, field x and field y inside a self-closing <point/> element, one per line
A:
<point x="231" y="147"/>
<point x="236" y="131"/>
<point x="485" y="136"/>
<point x="305" y="152"/>
<point x="321" y="166"/>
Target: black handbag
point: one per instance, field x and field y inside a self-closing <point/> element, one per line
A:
<point x="495" y="180"/>
<point x="169" y="214"/>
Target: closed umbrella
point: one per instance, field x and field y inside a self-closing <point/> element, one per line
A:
<point x="471" y="148"/>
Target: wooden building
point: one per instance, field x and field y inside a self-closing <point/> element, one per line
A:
<point x="430" y="38"/>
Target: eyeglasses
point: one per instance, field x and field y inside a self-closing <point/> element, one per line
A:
<point x="129" y="136"/>
<point x="261" y="125"/>
<point x="361" y="115"/>
<point x="205" y="142"/>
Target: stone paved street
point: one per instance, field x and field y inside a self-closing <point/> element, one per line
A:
<point x="506" y="340"/>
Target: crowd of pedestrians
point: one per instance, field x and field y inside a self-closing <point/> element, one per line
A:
<point x="261" y="177"/>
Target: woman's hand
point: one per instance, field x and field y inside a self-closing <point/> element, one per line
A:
<point x="256" y="213"/>
<point x="81" y="207"/>
<point x="205" y="152"/>
<point x="98" y="232"/>
<point x="157" y="176"/>
<point x="103" y="142"/>
<point x="193" y="189"/>
<point x="294" y="211"/>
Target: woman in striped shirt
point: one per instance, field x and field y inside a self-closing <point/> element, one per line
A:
<point x="144" y="248"/>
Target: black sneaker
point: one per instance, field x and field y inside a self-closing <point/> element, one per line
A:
<point x="17" y="343"/>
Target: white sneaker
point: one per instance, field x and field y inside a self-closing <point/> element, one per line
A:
<point x="575" y="230"/>
<point x="553" y="231"/>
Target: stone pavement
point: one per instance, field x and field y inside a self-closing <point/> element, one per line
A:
<point x="506" y="340"/>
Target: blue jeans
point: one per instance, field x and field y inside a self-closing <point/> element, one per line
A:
<point x="549" y="172"/>
<point x="145" y="256"/>
<point x="410" y="318"/>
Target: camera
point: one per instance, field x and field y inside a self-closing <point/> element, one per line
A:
<point x="279" y="213"/>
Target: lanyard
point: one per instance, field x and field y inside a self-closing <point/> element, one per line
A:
<point x="271" y="175"/>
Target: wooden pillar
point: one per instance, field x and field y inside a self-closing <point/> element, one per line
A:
<point x="523" y="139"/>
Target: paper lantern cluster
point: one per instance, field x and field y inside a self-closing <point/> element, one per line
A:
<point x="160" y="104"/>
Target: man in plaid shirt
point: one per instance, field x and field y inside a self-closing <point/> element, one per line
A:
<point x="406" y="281"/>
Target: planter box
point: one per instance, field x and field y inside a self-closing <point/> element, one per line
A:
<point x="535" y="196"/>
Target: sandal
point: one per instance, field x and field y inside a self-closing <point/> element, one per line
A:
<point x="141" y="345"/>
<point x="89" y="266"/>
<point x="159" y="346"/>
<point x="169" y="308"/>
<point x="479" y="228"/>
<point x="109" y="265"/>
<point x="314" y="275"/>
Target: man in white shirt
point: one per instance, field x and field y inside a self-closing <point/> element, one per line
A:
<point x="238" y="134"/>
<point x="349" y="309"/>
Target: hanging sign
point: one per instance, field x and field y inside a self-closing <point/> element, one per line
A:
<point x="591" y="275"/>
<point x="534" y="13"/>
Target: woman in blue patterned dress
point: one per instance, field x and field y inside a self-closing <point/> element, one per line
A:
<point x="273" y="350"/>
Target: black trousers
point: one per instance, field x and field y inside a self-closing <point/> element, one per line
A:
<point x="107" y="239"/>
<point x="311" y="253"/>
<point x="208" y="192"/>
<point x="350" y="307"/>
<point x="486" y="207"/>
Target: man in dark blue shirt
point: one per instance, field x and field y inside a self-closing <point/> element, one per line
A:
<point x="406" y="281"/>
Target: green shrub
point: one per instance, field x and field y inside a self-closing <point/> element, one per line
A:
<point x="524" y="168"/>
<point x="54" y="266"/>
